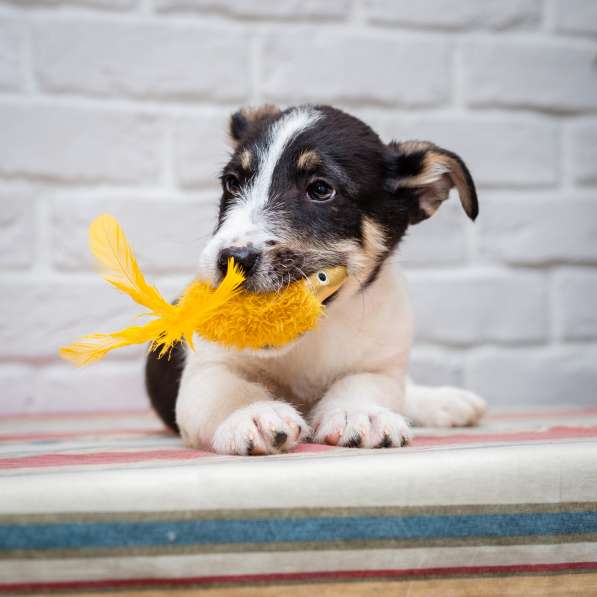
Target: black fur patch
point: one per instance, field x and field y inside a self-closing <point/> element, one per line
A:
<point x="410" y="164"/>
<point x="162" y="379"/>
<point x="238" y="125"/>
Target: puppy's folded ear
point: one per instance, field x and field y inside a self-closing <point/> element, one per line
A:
<point x="244" y="120"/>
<point x="430" y="172"/>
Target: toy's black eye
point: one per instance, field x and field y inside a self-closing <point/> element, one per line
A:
<point x="232" y="184"/>
<point x="320" y="190"/>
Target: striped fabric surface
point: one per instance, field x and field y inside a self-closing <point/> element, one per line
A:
<point x="102" y="502"/>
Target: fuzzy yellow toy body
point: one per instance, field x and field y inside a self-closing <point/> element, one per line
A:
<point x="227" y="314"/>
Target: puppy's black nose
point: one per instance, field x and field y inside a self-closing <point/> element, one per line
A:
<point x="245" y="257"/>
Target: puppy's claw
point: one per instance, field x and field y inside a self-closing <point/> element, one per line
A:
<point x="386" y="442"/>
<point x="354" y="441"/>
<point x="279" y="439"/>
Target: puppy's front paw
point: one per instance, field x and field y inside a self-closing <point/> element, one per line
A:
<point x="373" y="427"/>
<point x="448" y="407"/>
<point x="267" y="427"/>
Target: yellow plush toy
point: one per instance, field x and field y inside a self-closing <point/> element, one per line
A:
<point x="227" y="314"/>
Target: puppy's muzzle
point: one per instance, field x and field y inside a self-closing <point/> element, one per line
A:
<point x="246" y="258"/>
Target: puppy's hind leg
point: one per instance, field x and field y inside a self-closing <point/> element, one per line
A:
<point x="444" y="406"/>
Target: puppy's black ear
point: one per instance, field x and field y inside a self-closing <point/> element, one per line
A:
<point x="430" y="172"/>
<point x="244" y="120"/>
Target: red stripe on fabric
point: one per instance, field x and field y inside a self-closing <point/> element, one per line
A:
<point x="79" y="414"/>
<point x="75" y="459"/>
<point x="473" y="438"/>
<point x="115" y="457"/>
<point x="49" y="460"/>
<point x="84" y="434"/>
<point x="298" y="576"/>
<point x="119" y="432"/>
<point x="12" y="437"/>
<point x="302" y="448"/>
<point x="554" y="433"/>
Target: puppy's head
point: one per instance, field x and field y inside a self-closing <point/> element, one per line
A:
<point x="312" y="187"/>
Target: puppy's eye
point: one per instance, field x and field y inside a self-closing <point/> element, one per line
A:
<point x="232" y="184"/>
<point x="320" y="190"/>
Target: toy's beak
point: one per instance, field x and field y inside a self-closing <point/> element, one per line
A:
<point x="326" y="282"/>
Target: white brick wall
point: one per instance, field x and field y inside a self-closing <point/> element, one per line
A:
<point x="121" y="105"/>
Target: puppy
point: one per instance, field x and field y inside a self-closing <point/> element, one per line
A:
<point x="307" y="188"/>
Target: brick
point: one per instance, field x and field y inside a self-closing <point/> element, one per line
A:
<point x="575" y="301"/>
<point x="111" y="386"/>
<point x="435" y="367"/>
<point x="513" y="151"/>
<point x="141" y="60"/>
<point x="541" y="229"/>
<point x="460" y="308"/>
<point x="69" y="143"/>
<point x="582" y="157"/>
<point x="42" y="315"/>
<point x="455" y="14"/>
<point x="200" y="149"/>
<point x="277" y="9"/>
<point x="330" y="66"/>
<point x="549" y="76"/>
<point x="17" y="230"/>
<point x="11" y="51"/>
<point x="18" y="389"/>
<point x="167" y="235"/>
<point x="558" y="377"/>
<point x="438" y="240"/>
<point x="575" y="16"/>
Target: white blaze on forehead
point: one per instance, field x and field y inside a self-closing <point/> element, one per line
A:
<point x="282" y="132"/>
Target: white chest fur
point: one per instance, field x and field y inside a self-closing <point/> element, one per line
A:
<point x="362" y="331"/>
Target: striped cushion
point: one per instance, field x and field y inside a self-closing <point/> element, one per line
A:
<point x="112" y="501"/>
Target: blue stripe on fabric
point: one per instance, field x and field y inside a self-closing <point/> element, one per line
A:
<point x="205" y="532"/>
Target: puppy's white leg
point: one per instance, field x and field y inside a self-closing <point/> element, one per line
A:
<point x="444" y="406"/>
<point x="218" y="410"/>
<point x="360" y="410"/>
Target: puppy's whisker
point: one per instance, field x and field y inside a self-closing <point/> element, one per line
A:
<point x="302" y="273"/>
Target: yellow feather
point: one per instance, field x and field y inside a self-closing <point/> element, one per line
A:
<point x="90" y="348"/>
<point x="118" y="264"/>
<point x="226" y="314"/>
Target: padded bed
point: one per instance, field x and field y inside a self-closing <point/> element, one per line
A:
<point x="113" y="502"/>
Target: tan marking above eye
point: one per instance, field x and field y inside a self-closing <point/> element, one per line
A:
<point x="245" y="159"/>
<point x="308" y="160"/>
